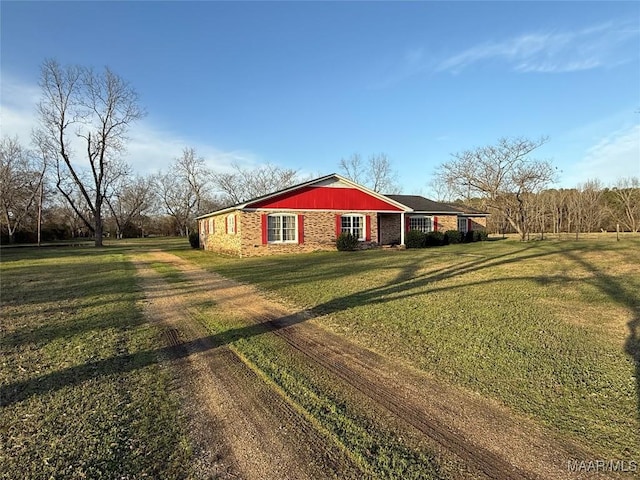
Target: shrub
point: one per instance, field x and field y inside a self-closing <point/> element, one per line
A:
<point x="414" y="239"/>
<point x="453" y="236"/>
<point x="434" y="239"/>
<point x="480" y="235"/>
<point x="194" y="240"/>
<point x="346" y="242"/>
<point x="467" y="237"/>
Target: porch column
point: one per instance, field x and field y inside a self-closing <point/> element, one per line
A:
<point x="402" y="228"/>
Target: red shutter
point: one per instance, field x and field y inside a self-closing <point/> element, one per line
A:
<point x="435" y="224"/>
<point x="367" y="227"/>
<point x="265" y="236"/>
<point x="407" y="223"/>
<point x="338" y="225"/>
<point x="469" y="225"/>
<point x="301" y="229"/>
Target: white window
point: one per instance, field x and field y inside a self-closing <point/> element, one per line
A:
<point x="212" y="226"/>
<point x="462" y="224"/>
<point x="282" y="228"/>
<point x="353" y="224"/>
<point x="231" y="224"/>
<point x="421" y="223"/>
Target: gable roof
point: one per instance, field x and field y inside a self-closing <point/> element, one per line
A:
<point x="421" y="204"/>
<point x="406" y="203"/>
<point x="468" y="210"/>
<point x="300" y="186"/>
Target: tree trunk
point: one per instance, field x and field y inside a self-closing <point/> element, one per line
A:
<point x="40" y="212"/>
<point x="98" y="228"/>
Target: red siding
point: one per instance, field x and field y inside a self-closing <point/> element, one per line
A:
<point x="264" y="230"/>
<point x="325" y="198"/>
<point x="300" y="229"/>
<point x="367" y="225"/>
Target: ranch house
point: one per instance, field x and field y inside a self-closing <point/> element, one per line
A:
<point x="310" y="216"/>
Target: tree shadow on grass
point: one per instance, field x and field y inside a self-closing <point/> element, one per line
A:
<point x="18" y="391"/>
<point x="620" y="293"/>
<point x="72" y="376"/>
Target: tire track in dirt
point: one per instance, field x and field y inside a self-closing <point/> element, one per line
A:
<point x="485" y="435"/>
<point x="240" y="428"/>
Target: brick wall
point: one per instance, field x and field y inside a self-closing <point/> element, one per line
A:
<point x="389" y="228"/>
<point x="319" y="233"/>
<point x="447" y="222"/>
<point x="479" y="223"/>
<point x="219" y="240"/>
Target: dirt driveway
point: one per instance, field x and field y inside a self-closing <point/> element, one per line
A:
<point x="242" y="428"/>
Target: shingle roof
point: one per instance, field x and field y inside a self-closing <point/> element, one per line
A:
<point x="421" y="204"/>
<point x="468" y="210"/>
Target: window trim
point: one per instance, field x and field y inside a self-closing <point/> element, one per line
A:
<point x="466" y="224"/>
<point x="231" y="224"/>
<point x="363" y="225"/>
<point x="295" y="228"/>
<point x="430" y="217"/>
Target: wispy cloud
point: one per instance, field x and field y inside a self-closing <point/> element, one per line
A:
<point x="599" y="46"/>
<point x="149" y="149"/>
<point x="613" y="156"/>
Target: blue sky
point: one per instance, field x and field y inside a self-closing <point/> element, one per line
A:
<point x="302" y="85"/>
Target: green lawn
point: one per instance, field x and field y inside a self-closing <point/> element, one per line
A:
<point x="548" y="328"/>
<point x="82" y="393"/>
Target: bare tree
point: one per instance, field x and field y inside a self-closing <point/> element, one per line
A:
<point x="575" y="210"/>
<point x="503" y="174"/>
<point x="21" y="181"/>
<point x="376" y="173"/>
<point x="593" y="212"/>
<point x="245" y="183"/>
<point x="353" y="168"/>
<point x="130" y="200"/>
<point x="626" y="204"/>
<point x="381" y="176"/>
<point x="95" y="110"/>
<point x="183" y="190"/>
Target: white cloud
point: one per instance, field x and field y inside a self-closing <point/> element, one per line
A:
<point x="614" y="156"/>
<point x="149" y="148"/>
<point x="597" y="46"/>
<point x="18" y="108"/>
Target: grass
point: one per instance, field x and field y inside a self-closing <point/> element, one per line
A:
<point x="370" y="441"/>
<point x="550" y="329"/>
<point x="82" y="393"/>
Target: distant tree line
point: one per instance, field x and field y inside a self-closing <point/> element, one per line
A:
<point x="71" y="180"/>
<point x="515" y="188"/>
<point x="133" y="205"/>
<point x="590" y="207"/>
